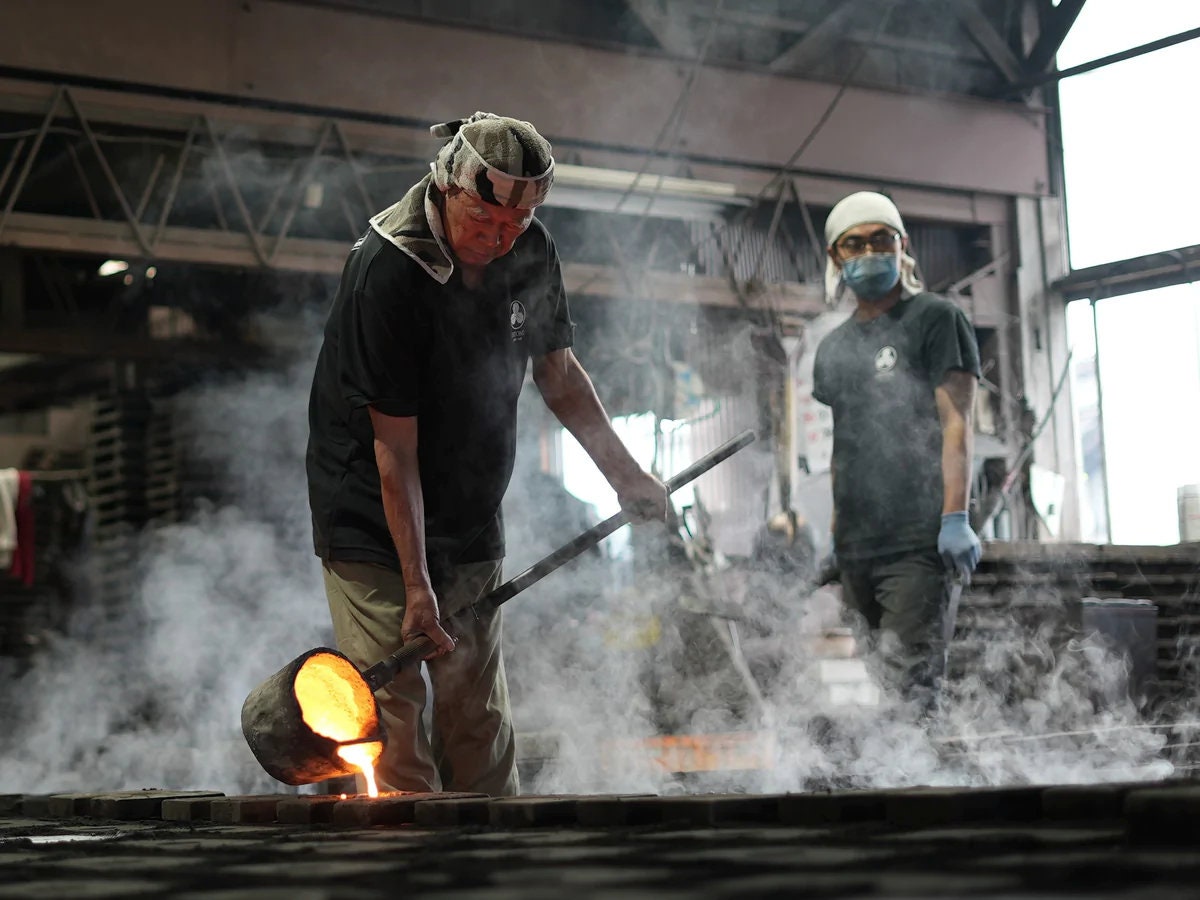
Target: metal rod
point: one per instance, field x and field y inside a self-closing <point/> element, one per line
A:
<point x="1140" y="50"/>
<point x="83" y="180"/>
<point x="211" y="186"/>
<point x="33" y="152"/>
<point x="310" y="167"/>
<point x="109" y="174"/>
<point x="818" y="247"/>
<point x="356" y="175"/>
<point x="1014" y="474"/>
<point x="355" y="229"/>
<point x="12" y="161"/>
<point x="1100" y="425"/>
<point x="176" y="177"/>
<point x="150" y="183"/>
<point x="269" y="213"/>
<point x="383" y="672"/>
<point x="1018" y="737"/>
<point x="247" y="220"/>
<point x="776" y="215"/>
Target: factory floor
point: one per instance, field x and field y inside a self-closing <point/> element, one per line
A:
<point x="1094" y="841"/>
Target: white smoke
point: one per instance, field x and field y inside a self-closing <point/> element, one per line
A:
<point x="601" y="657"/>
<point x="1035" y="706"/>
<point x="149" y="695"/>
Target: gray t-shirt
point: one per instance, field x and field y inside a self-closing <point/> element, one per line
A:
<point x="879" y="379"/>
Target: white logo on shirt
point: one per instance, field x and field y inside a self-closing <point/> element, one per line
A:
<point x="516" y="318"/>
<point x="885" y="359"/>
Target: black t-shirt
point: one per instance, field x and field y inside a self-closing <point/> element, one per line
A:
<point x="455" y="358"/>
<point x="879" y="378"/>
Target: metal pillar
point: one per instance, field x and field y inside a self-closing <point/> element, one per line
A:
<point x="1100" y="425"/>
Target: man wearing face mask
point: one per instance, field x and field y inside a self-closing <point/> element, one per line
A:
<point x="443" y="303"/>
<point x="900" y="377"/>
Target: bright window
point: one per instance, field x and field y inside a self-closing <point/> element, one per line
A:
<point x="1132" y="184"/>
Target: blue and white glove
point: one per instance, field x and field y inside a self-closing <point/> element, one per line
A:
<point x="958" y="546"/>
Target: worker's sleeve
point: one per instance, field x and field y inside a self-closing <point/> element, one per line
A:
<point x="949" y="343"/>
<point x="554" y="329"/>
<point x="378" y="352"/>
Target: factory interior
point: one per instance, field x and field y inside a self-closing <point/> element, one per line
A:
<point x="697" y="707"/>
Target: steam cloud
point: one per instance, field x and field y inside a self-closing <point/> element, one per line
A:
<point x="150" y="696"/>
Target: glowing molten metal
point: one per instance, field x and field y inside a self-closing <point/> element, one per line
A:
<point x="337" y="704"/>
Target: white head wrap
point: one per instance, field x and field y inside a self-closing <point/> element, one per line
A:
<point x="862" y="208"/>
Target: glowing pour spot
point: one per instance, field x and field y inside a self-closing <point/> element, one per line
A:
<point x="337" y="704"/>
<point x="364" y="756"/>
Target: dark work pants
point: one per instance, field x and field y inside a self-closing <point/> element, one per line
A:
<point x="905" y="601"/>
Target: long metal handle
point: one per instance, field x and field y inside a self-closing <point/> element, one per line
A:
<point x="417" y="649"/>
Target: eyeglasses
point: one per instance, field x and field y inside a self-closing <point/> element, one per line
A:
<point x="879" y="242"/>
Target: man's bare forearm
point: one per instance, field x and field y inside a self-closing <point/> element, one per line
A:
<point x="956" y="467"/>
<point x="403" y="505"/>
<point x="570" y="395"/>
<point x="955" y="402"/>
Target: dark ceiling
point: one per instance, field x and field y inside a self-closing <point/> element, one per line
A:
<point x="974" y="47"/>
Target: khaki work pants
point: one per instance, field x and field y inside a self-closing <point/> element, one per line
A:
<point x="472" y="746"/>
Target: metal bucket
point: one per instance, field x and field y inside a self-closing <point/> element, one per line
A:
<point x="275" y="726"/>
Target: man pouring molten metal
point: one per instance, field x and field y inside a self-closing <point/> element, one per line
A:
<point x="442" y="304"/>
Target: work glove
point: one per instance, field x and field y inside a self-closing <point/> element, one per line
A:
<point x="958" y="546"/>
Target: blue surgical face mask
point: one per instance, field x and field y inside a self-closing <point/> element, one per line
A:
<point x="872" y="276"/>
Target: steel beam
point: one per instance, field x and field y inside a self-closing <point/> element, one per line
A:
<point x="873" y="38"/>
<point x="1132" y="276"/>
<point x="92" y="344"/>
<point x="111" y="177"/>
<point x="666" y="25"/>
<point x="815" y="41"/>
<point x="1059" y="21"/>
<point x="211" y="247"/>
<point x="1140" y="50"/>
<point x="360" y="139"/>
<point x="263" y="52"/>
<point x="37" y="383"/>
<point x="994" y="47"/>
<point x="17" y="187"/>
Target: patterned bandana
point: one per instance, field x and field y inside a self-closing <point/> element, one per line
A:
<point x="502" y="161"/>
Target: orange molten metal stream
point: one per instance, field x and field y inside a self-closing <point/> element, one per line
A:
<point x="336" y="703"/>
